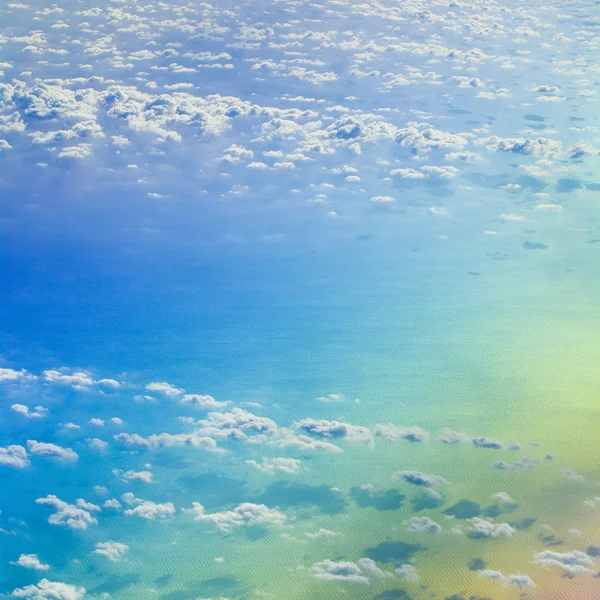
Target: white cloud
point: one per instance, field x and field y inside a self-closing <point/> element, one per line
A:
<point x="31" y="561"/>
<point x="14" y="456"/>
<point x="408" y="573"/>
<point x="361" y="571"/>
<point x="49" y="450"/>
<point x="480" y="528"/>
<point x="50" y="590"/>
<point x="146" y="509"/>
<point x="114" y="551"/>
<point x="394" y="433"/>
<point x="572" y="563"/>
<point x="164" y="388"/>
<point x="277" y="465"/>
<point x="422" y="525"/>
<point x="520" y="581"/>
<point x="39" y="412"/>
<point x="11" y="375"/>
<point x="143" y="476"/>
<point x="418" y="478"/>
<point x="77" y="379"/>
<point x="74" y="516"/>
<point x="202" y="401"/>
<point x="246" y="513"/>
<point x="355" y="434"/>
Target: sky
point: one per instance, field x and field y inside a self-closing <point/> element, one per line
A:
<point x="299" y="300"/>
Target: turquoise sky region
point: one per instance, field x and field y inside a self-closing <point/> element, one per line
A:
<point x="299" y="300"/>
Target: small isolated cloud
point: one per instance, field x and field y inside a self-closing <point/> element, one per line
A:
<point x="332" y="398"/>
<point x="31" y="561"/>
<point x="114" y="551"/>
<point x="449" y="436"/>
<point x="520" y="581"/>
<point x="38" y="412"/>
<point x="335" y="429"/>
<point x="50" y="590"/>
<point x="143" y="476"/>
<point x="96" y="444"/>
<point x="64" y="376"/>
<point x="502" y="498"/>
<point x="14" y="456"/>
<point x="277" y="465"/>
<point x="246" y="513"/>
<point x="76" y="516"/>
<point x="12" y="376"/>
<point x="146" y="509"/>
<point x="408" y="573"/>
<point x="422" y="525"/>
<point x="362" y="571"/>
<point x="572" y="563"/>
<point x="164" y="388"/>
<point x="202" y="401"/>
<point x="51" y="450"/>
<point x="394" y="433"/>
<point x="323" y="533"/>
<point x="480" y="528"/>
<point x="539" y="146"/>
<point x="418" y="478"/>
<point x="484" y="442"/>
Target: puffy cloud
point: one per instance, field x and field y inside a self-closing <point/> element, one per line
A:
<point x="165" y="388"/>
<point x="408" y="573"/>
<point x="74" y="516"/>
<point x="484" y="442"/>
<point x="202" y="401"/>
<point x="31" y="561"/>
<point x="11" y="375"/>
<point x="426" y="138"/>
<point x="285" y="438"/>
<point x="572" y="563"/>
<point x="168" y="440"/>
<point x="236" y="153"/>
<point x="96" y="444"/>
<point x="520" y="581"/>
<point x="422" y="525"/>
<point x="501" y="497"/>
<point x="323" y="533"/>
<point x="146" y="509"/>
<point x="109" y="383"/>
<point x="362" y="571"/>
<point x="335" y="429"/>
<point x="143" y="476"/>
<point x="51" y="450"/>
<point x="14" y="456"/>
<point x="418" y="478"/>
<point x="77" y="379"/>
<point x="449" y="436"/>
<point x="76" y="152"/>
<point x="539" y="146"/>
<point x="38" y="412"/>
<point x="275" y="465"/>
<point x="114" y="551"/>
<point x="580" y="150"/>
<point x="237" y="424"/>
<point x="480" y="528"/>
<point x="393" y="433"/>
<point x="50" y="590"/>
<point x="246" y="513"/>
